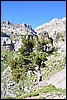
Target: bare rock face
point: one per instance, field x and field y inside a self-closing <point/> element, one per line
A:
<point x="6" y="43"/>
<point x="14" y="29"/>
<point x="11" y="28"/>
<point x="5" y="39"/>
<point x="55" y="25"/>
<point x="56" y="29"/>
<point x="6" y="22"/>
<point x="43" y="34"/>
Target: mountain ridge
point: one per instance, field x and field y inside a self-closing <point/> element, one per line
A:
<point x="56" y="28"/>
<point x="55" y="25"/>
<point x="23" y="28"/>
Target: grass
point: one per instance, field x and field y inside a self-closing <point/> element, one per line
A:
<point x="28" y="95"/>
<point x="6" y="55"/>
<point x="53" y="67"/>
<point x="8" y="97"/>
<point x="3" y="66"/>
<point x="54" y="64"/>
<point x="45" y="89"/>
<point x="42" y="97"/>
<point x="51" y="88"/>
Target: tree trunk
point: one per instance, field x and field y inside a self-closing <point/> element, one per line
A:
<point x="39" y="75"/>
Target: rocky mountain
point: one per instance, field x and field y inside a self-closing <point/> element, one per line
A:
<point x="56" y="29"/>
<point x="54" y="26"/>
<point x="6" y="42"/>
<point x="15" y="31"/>
<point x="54" y="32"/>
<point x="8" y="27"/>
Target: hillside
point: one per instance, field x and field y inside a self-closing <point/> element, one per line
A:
<point x="50" y="38"/>
<point x="53" y="27"/>
<point x="56" y="29"/>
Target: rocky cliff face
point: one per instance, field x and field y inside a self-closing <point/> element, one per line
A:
<point x="56" y="29"/>
<point x="16" y="30"/>
<point x="6" y="43"/>
<point x="23" y="28"/>
<point x="54" y="26"/>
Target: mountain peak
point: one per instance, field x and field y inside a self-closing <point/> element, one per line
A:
<point x="23" y="28"/>
<point x="5" y="22"/>
<point x="58" y="25"/>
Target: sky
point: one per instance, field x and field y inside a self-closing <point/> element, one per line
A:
<point x="34" y="13"/>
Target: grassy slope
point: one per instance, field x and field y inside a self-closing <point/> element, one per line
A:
<point x="45" y="89"/>
<point x="55" y="64"/>
<point x="7" y="55"/>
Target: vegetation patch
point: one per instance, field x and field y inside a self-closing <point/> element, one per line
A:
<point x="54" y="64"/>
<point x="28" y="95"/>
<point x="6" y="58"/>
<point x="8" y="97"/>
<point x="42" y="97"/>
<point x="45" y="89"/>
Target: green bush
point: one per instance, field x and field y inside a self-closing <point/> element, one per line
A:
<point x="60" y="35"/>
<point x="8" y="97"/>
<point x="6" y="57"/>
<point x="56" y="54"/>
<point x="41" y="97"/>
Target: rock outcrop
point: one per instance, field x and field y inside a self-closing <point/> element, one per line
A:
<point x="56" y="29"/>
<point x="10" y="28"/>
<point x="15" y="30"/>
<point x="54" y="26"/>
<point x="6" y="43"/>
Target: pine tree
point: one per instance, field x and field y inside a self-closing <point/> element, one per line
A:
<point x="28" y="60"/>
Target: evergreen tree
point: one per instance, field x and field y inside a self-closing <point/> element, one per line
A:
<point x="28" y="60"/>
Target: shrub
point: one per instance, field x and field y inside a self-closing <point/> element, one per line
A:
<point x="41" y="97"/>
<point x="8" y="97"/>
